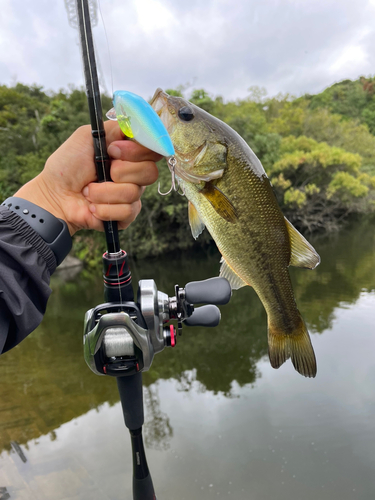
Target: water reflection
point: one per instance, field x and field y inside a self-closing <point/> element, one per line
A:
<point x="284" y="437"/>
<point x="45" y="383"/>
<point x="157" y="429"/>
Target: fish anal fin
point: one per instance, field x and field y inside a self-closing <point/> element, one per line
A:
<point x="296" y="345"/>
<point x="195" y="222"/>
<point x="227" y="272"/>
<point x="302" y="254"/>
<point x="220" y="203"/>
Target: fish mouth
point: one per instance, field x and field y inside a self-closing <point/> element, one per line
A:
<point x="159" y="103"/>
<point x="159" y="100"/>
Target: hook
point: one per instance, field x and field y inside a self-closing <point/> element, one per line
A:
<point x="172" y="165"/>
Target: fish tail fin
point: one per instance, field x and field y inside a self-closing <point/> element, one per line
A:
<point x="295" y="345"/>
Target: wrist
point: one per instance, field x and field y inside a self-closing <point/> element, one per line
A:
<point x="37" y="192"/>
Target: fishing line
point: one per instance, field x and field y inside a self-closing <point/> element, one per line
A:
<point x="108" y="47"/>
<point x="100" y="143"/>
<point x="172" y="161"/>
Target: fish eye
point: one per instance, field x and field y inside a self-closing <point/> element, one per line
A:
<point x="186" y="114"/>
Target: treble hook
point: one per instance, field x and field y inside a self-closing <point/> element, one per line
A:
<point x="171" y="164"/>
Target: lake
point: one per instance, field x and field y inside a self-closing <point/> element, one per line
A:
<point x="220" y="422"/>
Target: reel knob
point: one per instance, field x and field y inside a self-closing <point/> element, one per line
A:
<point x="212" y="291"/>
<point x="208" y="316"/>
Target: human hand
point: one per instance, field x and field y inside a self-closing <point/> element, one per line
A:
<point x="67" y="188"/>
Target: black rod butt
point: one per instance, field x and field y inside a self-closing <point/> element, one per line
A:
<point x="131" y="395"/>
<point x="143" y="489"/>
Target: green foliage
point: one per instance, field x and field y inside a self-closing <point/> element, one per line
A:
<point x="347" y="98"/>
<point x="267" y="147"/>
<point x="295" y="198"/>
<point x="317" y="184"/>
<point x="319" y="152"/>
<point x="201" y="98"/>
<point x="346" y="187"/>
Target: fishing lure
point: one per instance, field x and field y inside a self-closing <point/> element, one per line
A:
<point x="139" y="121"/>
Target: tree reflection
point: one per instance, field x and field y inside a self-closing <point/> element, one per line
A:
<point x="45" y="381"/>
<point x="157" y="428"/>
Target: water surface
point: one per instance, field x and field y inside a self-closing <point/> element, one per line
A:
<point x="220" y="422"/>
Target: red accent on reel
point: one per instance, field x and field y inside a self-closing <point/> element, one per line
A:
<point x="173" y="336"/>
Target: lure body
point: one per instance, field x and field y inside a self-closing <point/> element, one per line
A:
<point x="140" y="122"/>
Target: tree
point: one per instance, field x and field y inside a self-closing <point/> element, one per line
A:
<point x="319" y="185"/>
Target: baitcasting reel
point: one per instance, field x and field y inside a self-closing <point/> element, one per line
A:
<point x="122" y="338"/>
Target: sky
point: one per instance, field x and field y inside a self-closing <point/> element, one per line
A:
<point x="223" y="46"/>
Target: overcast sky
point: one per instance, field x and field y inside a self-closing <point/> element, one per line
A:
<point x="223" y="46"/>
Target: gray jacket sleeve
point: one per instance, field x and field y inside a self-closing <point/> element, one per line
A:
<point x="26" y="264"/>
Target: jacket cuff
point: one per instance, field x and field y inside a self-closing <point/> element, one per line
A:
<point x="31" y="236"/>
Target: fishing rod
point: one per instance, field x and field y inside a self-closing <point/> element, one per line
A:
<point x="116" y="273"/>
<point x="122" y="336"/>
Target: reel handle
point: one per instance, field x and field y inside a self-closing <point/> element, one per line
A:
<point x="208" y="316"/>
<point x="212" y="291"/>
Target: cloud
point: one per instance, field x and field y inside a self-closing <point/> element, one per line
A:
<point x="294" y="46"/>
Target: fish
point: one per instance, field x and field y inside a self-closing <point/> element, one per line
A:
<point x="230" y="194"/>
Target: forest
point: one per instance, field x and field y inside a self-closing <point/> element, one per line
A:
<point x="318" y="151"/>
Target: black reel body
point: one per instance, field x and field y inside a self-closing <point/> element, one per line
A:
<point x="123" y="338"/>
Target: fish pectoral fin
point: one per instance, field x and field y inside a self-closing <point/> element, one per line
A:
<point x="220" y="203"/>
<point x="302" y="253"/>
<point x="295" y="345"/>
<point x="195" y="222"/>
<point x="227" y="272"/>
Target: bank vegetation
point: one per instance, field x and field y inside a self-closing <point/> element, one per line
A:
<point x="318" y="150"/>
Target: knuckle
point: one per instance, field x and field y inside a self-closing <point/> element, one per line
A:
<point x="138" y="207"/>
<point x="129" y="193"/>
<point x="134" y="193"/>
<point x="116" y="170"/>
<point x="132" y="212"/>
<point x="151" y="172"/>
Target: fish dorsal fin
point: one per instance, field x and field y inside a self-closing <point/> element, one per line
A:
<point x="195" y="222"/>
<point x="302" y="253"/>
<point x="221" y="204"/>
<point x="227" y="272"/>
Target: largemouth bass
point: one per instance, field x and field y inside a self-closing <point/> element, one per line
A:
<point x="230" y="194"/>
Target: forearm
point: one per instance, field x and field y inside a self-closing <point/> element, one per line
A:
<point x="26" y="263"/>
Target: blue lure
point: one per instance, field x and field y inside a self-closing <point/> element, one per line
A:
<point x="140" y="122"/>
